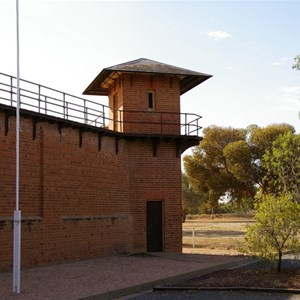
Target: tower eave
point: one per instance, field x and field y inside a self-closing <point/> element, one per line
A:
<point x="188" y="79"/>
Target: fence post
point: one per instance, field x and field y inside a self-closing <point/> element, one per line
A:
<point x="193" y="235"/>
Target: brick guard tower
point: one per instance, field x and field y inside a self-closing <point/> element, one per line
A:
<point x="145" y="92"/>
<point x="94" y="179"/>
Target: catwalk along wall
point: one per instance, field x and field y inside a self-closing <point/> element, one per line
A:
<point x="84" y="195"/>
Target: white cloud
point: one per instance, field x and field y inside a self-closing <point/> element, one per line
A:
<point x="218" y="35"/>
<point x="291" y="90"/>
<point x="281" y="61"/>
<point x="286" y="98"/>
<point x="230" y="67"/>
<point x="276" y="63"/>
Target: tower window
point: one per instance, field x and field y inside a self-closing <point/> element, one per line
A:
<point x="151" y="102"/>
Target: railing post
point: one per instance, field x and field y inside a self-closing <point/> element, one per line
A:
<point x="103" y="116"/>
<point x="67" y="110"/>
<point x="45" y="105"/>
<point x="39" y="99"/>
<point x="86" y="115"/>
<point x="85" y="112"/>
<point x="64" y="105"/>
<point x="120" y="121"/>
<point x="11" y="90"/>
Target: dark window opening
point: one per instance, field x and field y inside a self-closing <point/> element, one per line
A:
<point x="151" y="100"/>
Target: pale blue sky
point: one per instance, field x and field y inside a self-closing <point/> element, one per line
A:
<point x="248" y="46"/>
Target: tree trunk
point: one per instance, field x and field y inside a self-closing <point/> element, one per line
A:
<point x="279" y="260"/>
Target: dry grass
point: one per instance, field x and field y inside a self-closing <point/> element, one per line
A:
<point x="224" y="236"/>
<point x="221" y="235"/>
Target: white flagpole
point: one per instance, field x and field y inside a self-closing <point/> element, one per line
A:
<point x="17" y="212"/>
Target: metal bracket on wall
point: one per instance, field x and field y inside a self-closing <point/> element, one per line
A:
<point x="6" y="117"/>
<point x="99" y="141"/>
<point x="117" y="138"/>
<point x="80" y="137"/>
<point x="155" y="142"/>
<point x="178" y="148"/>
<point x="59" y="127"/>
<point x="34" y="122"/>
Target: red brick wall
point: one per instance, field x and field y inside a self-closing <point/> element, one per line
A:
<point x="132" y="91"/>
<point x="156" y="178"/>
<point x="75" y="201"/>
<point x="81" y="202"/>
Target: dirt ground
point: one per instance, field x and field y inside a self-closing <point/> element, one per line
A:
<point x="261" y="275"/>
<point x="222" y="235"/>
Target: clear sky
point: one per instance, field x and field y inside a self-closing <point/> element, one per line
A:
<point x="248" y="47"/>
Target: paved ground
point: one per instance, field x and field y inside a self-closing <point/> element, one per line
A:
<point x="224" y="293"/>
<point x="111" y="277"/>
<point x="214" y="295"/>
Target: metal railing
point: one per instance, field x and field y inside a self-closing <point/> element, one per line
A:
<point x="44" y="100"/>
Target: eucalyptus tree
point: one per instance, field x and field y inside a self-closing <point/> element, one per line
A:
<point x="228" y="162"/>
<point x="282" y="164"/>
<point x="207" y="167"/>
<point x="244" y="157"/>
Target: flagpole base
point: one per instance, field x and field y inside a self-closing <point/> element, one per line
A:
<point x="17" y="252"/>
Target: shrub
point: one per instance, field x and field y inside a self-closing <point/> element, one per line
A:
<point x="276" y="228"/>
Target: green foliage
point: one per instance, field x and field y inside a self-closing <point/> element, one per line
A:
<point x="276" y="228"/>
<point x="261" y="138"/>
<point x="296" y="64"/>
<point x="207" y="167"/>
<point x="192" y="202"/>
<point x="239" y="162"/>
<point x="228" y="161"/>
<point x="282" y="163"/>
